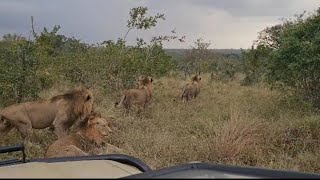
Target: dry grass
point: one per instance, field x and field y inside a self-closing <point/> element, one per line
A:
<point x="227" y="123"/>
<point x="237" y="136"/>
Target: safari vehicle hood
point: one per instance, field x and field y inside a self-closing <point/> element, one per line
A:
<point x="127" y="167"/>
<point x="69" y="169"/>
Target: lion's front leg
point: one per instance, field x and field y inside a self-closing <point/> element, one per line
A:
<point x="27" y="134"/>
<point x="60" y="126"/>
<point x="5" y="128"/>
<point x="60" y="131"/>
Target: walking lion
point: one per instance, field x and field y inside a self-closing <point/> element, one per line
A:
<point x="58" y="113"/>
<point x="191" y="90"/>
<point x="139" y="96"/>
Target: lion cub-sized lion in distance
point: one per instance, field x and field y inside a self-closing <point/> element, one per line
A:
<point x="87" y="140"/>
<point x="58" y="113"/>
<point x="139" y="97"/>
<point x="191" y="91"/>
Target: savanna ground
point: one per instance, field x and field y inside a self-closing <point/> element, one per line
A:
<point x="227" y="123"/>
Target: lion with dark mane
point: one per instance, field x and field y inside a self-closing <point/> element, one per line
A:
<point x="58" y="113"/>
<point x="139" y="96"/>
<point x="191" y="90"/>
<point x="87" y="140"/>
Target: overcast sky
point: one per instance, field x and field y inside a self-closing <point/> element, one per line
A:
<point x="226" y="23"/>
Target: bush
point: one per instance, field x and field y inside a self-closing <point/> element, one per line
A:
<point x="297" y="61"/>
<point x="18" y="68"/>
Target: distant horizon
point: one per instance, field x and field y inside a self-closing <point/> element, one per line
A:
<point x="1" y="37"/>
<point x="209" y="48"/>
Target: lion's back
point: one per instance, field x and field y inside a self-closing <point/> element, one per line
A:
<point x="137" y="94"/>
<point x="60" y="146"/>
<point x="43" y="113"/>
<point x="65" y="151"/>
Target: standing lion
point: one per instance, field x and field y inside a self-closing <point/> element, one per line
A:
<point x="143" y="80"/>
<point x="58" y="113"/>
<point x="139" y="97"/>
<point x="191" y="91"/>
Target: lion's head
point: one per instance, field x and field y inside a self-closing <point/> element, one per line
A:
<point x="144" y="80"/>
<point x="95" y="128"/>
<point x="147" y="83"/>
<point x="82" y="102"/>
<point x="196" y="78"/>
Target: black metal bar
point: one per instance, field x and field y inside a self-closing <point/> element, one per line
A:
<point x="19" y="147"/>
<point x="227" y="169"/>
<point x="10" y="149"/>
<point x="11" y="161"/>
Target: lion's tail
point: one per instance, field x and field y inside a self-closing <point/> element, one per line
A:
<point x="118" y="104"/>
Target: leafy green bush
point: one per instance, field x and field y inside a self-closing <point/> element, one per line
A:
<point x="297" y="61"/>
<point x="18" y="68"/>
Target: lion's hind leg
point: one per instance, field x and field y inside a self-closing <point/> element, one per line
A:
<point x="61" y="126"/>
<point x="140" y="109"/>
<point x="60" y="130"/>
<point x="127" y="103"/>
<point x="184" y="95"/>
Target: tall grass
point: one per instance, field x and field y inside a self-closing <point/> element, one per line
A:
<point x="227" y="123"/>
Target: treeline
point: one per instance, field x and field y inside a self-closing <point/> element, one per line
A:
<point x="30" y="65"/>
<point x="287" y="56"/>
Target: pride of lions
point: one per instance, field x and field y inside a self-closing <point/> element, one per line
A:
<point x="61" y="112"/>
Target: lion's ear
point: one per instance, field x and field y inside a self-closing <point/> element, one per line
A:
<point x="94" y="114"/>
<point x="98" y="115"/>
<point x="84" y="122"/>
<point x="88" y="97"/>
<point x="90" y="120"/>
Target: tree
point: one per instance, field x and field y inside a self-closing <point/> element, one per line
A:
<point x="145" y="57"/>
<point x="254" y="62"/>
<point x="18" y="67"/>
<point x="296" y="62"/>
<point x="270" y="36"/>
<point x="139" y="20"/>
<point x="197" y="56"/>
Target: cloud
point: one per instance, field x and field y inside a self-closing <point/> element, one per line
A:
<point x="230" y="23"/>
<point x="257" y="8"/>
<point x="227" y="23"/>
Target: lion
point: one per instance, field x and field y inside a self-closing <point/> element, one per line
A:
<point x="143" y="80"/>
<point x="89" y="138"/>
<point x="191" y="90"/>
<point x="139" y="96"/>
<point x="58" y="113"/>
